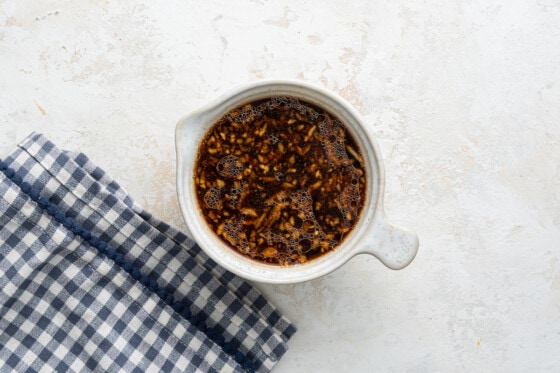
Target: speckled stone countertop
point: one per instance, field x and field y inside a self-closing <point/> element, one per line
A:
<point x="464" y="99"/>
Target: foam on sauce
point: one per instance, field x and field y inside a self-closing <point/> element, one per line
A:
<point x="280" y="180"/>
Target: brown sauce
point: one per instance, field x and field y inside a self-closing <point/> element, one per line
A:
<point x="280" y="180"/>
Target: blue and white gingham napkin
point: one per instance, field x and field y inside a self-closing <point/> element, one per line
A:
<point x="89" y="281"/>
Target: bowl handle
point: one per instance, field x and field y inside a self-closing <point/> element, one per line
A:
<point x="393" y="245"/>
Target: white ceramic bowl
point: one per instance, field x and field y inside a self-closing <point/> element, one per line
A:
<point x="392" y="245"/>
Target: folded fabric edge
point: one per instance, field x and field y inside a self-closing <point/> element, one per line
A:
<point x="272" y="346"/>
<point x="240" y="287"/>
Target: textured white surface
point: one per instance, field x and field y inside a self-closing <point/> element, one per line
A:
<point x="464" y="97"/>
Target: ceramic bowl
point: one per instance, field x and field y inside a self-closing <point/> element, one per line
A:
<point x="394" y="246"/>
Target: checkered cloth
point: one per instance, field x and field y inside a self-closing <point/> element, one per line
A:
<point x="89" y="281"/>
